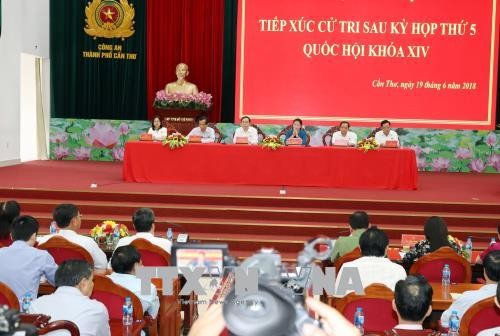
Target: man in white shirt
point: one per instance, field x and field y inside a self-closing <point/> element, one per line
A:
<point x="496" y="330"/>
<point x="206" y="133"/>
<point x="144" y="224"/>
<point x="69" y="221"/>
<point x="245" y="131"/>
<point x="386" y="133"/>
<point x="22" y="265"/>
<point x="125" y="262"/>
<point x="412" y="303"/>
<point x="373" y="266"/>
<point x="491" y="265"/>
<point x="71" y="300"/>
<point x="344" y="135"/>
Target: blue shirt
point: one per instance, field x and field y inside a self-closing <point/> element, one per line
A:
<point x="302" y="135"/>
<point x="23" y="265"/>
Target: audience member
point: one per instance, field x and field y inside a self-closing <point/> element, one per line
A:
<point x="358" y="222"/>
<point x="373" y="266"/>
<point x="436" y="236"/>
<point x="8" y="211"/>
<point x="144" y="224"/>
<point x="69" y="221"/>
<point x="492" y="247"/>
<point x="245" y="131"/>
<point x="71" y="300"/>
<point x="125" y="262"/>
<point x="496" y="330"/>
<point x="207" y="134"/>
<point x="22" y="265"/>
<point x="492" y="275"/>
<point x="412" y="302"/>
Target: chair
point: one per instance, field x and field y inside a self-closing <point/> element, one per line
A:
<point x="377" y="308"/>
<point x="327" y="137"/>
<point x="353" y="255"/>
<point x="41" y="322"/>
<point x="151" y="254"/>
<point x="113" y="296"/>
<point x="260" y="134"/>
<point x="8" y="297"/>
<point x="62" y="249"/>
<point x="431" y="266"/>
<point x="218" y="135"/>
<point x="285" y="130"/>
<point x="482" y="315"/>
<point x="372" y="133"/>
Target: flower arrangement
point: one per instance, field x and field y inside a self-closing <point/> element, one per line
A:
<point x="106" y="229"/>
<point x="175" y="140"/>
<point x="271" y="142"/>
<point x="198" y="101"/>
<point x="367" y="144"/>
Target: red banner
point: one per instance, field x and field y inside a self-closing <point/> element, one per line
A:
<point x="417" y="63"/>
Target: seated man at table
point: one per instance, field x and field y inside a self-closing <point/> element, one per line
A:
<point x="358" y="222"/>
<point x="69" y="221"/>
<point x="386" y="134"/>
<point x="412" y="302"/>
<point x="144" y="224"/>
<point x="207" y="134"/>
<point x="71" y="301"/>
<point x="493" y="331"/>
<point x="22" y="264"/>
<point x="245" y="133"/>
<point x="125" y="261"/>
<point x="493" y="247"/>
<point x="373" y="266"/>
<point x="344" y="136"/>
<point x="491" y="265"/>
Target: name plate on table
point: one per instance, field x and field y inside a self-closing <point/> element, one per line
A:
<point x="146" y="137"/>
<point x="242" y="140"/>
<point x="294" y="141"/>
<point x="391" y="144"/>
<point x="341" y="143"/>
<point x="195" y="139"/>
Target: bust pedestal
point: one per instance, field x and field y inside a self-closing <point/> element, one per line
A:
<point x="182" y="120"/>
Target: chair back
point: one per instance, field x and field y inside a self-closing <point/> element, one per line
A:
<point x="8" y="297"/>
<point x="431" y="266"/>
<point x="327" y="137"/>
<point x="60" y="325"/>
<point x="5" y="242"/>
<point x="480" y="316"/>
<point x="218" y="135"/>
<point x="353" y="255"/>
<point x="151" y="254"/>
<point x="260" y="134"/>
<point x="113" y="296"/>
<point x="377" y="308"/>
<point x="372" y="133"/>
<point x="62" y="249"/>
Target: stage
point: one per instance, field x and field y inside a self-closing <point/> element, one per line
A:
<point x="249" y="217"/>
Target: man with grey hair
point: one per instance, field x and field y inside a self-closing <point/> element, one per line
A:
<point x="144" y="224"/>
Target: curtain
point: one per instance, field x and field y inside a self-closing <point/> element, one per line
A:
<point x="95" y="87"/>
<point x="188" y="31"/>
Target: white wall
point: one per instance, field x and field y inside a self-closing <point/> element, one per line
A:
<point x="25" y="28"/>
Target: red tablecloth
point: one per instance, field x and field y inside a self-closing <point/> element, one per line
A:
<point x="254" y="165"/>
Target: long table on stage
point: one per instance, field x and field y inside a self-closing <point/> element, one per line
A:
<point x="287" y="166"/>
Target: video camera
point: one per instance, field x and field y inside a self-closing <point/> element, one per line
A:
<point x="10" y="323"/>
<point x="277" y="308"/>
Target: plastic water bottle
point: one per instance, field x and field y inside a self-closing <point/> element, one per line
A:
<point x="128" y="312"/>
<point x="446" y="279"/>
<point x="53" y="228"/>
<point x="359" y="320"/>
<point x="493" y="241"/>
<point x="453" y="324"/>
<point x="468" y="248"/>
<point x="116" y="234"/>
<point x="170" y="234"/>
<point x="26" y="303"/>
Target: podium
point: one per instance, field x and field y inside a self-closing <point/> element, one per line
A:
<point x="180" y="120"/>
